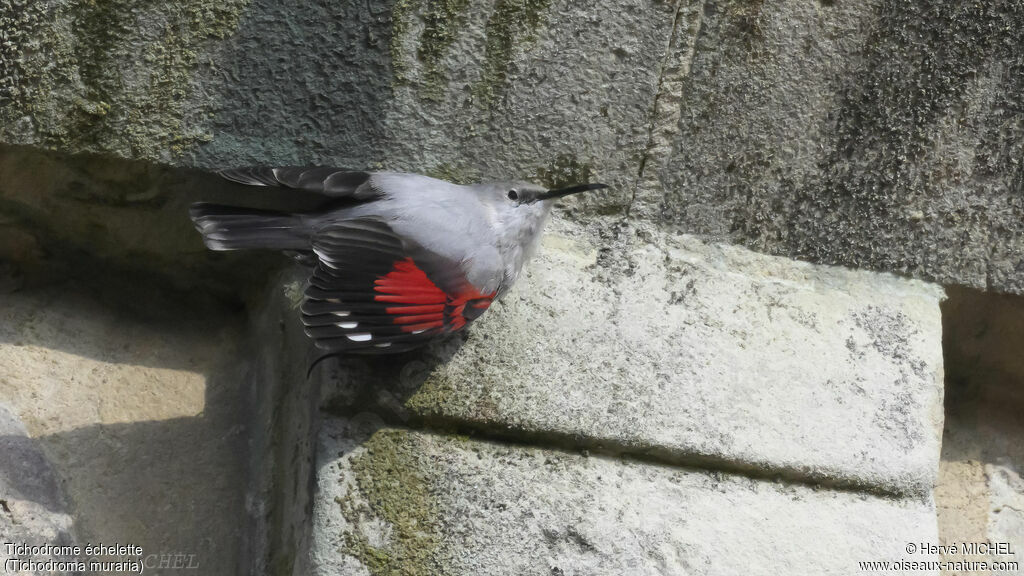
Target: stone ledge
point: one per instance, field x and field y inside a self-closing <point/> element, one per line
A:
<point x="699" y="354"/>
<point x="416" y="503"/>
<point x="137" y="400"/>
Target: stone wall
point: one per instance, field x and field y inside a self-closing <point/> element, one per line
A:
<point x="136" y="399"/>
<point x="874" y="134"/>
<point x="705" y="413"/>
<point x="647" y="399"/>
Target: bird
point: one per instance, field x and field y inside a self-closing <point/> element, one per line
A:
<point x="396" y="259"/>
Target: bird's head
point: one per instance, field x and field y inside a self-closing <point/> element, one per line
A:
<point x="518" y="193"/>
<point x="523" y="206"/>
<point x="526" y="204"/>
<point x="528" y="198"/>
<point x="519" y="210"/>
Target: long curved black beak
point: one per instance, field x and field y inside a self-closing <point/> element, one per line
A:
<point x="558" y="193"/>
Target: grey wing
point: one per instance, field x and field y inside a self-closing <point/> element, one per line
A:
<point x="323" y="180"/>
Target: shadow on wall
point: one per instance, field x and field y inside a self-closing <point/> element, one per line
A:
<point x="67" y="215"/>
<point x="124" y="350"/>
<point x="140" y="409"/>
<point x="120" y="346"/>
<point x="980" y="496"/>
<point x="376" y="388"/>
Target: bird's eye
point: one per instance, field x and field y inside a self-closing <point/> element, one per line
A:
<point x="513" y="195"/>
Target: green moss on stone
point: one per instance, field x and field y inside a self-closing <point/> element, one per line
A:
<point x="108" y="76"/>
<point x="440" y="396"/>
<point x="513" y="23"/>
<point x="38" y="72"/>
<point x="442" y="21"/>
<point x="389" y="477"/>
<point x="401" y="15"/>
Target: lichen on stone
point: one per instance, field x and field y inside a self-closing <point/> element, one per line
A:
<point x="110" y="76"/>
<point x="439" y="396"/>
<point x="38" y="76"/>
<point x="442" y="20"/>
<point x="389" y="478"/>
<point x="513" y="23"/>
<point x="453" y="173"/>
<point x="401" y="14"/>
<point x="744" y="21"/>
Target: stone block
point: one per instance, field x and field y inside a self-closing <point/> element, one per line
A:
<point x="133" y="396"/>
<point x="410" y="502"/>
<point x="698" y="353"/>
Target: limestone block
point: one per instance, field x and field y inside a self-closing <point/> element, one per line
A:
<point x="543" y="89"/>
<point x="548" y="90"/>
<point x="134" y="398"/>
<point x="699" y="353"/>
<point x="417" y="503"/>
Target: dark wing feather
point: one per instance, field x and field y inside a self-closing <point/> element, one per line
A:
<point x="323" y="180"/>
<point x="373" y="292"/>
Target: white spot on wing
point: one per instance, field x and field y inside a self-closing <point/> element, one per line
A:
<point x="383" y="345"/>
<point x="324" y="258"/>
<point x="343" y="313"/>
<point x="360" y="337"/>
<point x="348" y="325"/>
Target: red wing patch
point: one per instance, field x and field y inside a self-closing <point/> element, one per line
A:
<point x="420" y="306"/>
<point x="373" y="292"/>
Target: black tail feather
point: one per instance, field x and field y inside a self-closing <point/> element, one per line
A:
<point x="233" y="228"/>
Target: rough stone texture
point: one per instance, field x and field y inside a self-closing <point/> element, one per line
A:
<point x="703" y="354"/>
<point x="282" y="406"/>
<point x="33" y="509"/>
<point x="133" y="395"/>
<point x="980" y="493"/>
<point x="457" y="90"/>
<point x="436" y="87"/>
<point x="111" y="76"/>
<point x="405" y="502"/>
<point x="878" y="134"/>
